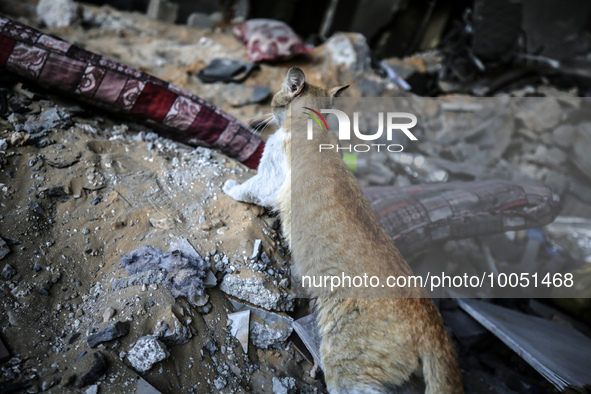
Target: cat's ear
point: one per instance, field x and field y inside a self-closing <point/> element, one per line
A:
<point x="336" y="91"/>
<point x="294" y="81"/>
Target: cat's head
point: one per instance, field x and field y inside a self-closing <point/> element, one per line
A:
<point x="294" y="86"/>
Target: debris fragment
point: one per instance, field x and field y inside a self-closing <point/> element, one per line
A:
<point x="8" y="272"/>
<point x="257" y="291"/>
<point x="256" y="250"/>
<point x="146" y="352"/>
<point x="4" y="249"/>
<point x="58" y="13"/>
<point x="240" y="323"/>
<point x="115" y="330"/>
<point x="285" y="385"/>
<point x="98" y="369"/>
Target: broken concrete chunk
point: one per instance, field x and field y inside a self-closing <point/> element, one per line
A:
<point x="8" y="272"/>
<point x="285" y="385"/>
<point x="146" y="352"/>
<point x="266" y="336"/>
<point x="98" y="369"/>
<point x="171" y="331"/>
<point x="108" y="314"/>
<point x="255" y="291"/>
<point x="4" y="249"/>
<point x="268" y="330"/>
<point x="349" y="50"/>
<point x="240" y="326"/>
<point x="39" y="125"/>
<point x="58" y="13"/>
<point x="114" y="331"/>
<point x="210" y="280"/>
<point x="142" y="278"/>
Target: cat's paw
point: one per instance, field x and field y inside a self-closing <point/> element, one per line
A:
<point x="229" y="186"/>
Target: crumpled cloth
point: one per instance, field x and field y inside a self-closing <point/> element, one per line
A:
<point x="184" y="275"/>
<point x="269" y="40"/>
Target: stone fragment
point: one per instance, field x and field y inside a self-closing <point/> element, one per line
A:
<point x="115" y="330"/>
<point x="146" y="352"/>
<point x="98" y="369"/>
<point x="4" y="249"/>
<point x="257" y="291"/>
<point x="58" y="13"/>
<point x="8" y="272"/>
<point x="285" y="385"/>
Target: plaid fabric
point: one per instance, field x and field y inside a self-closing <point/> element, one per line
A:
<point x="180" y="115"/>
<point x="418" y="216"/>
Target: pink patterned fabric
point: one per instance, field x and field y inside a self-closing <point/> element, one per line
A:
<point x="69" y="69"/>
<point x="268" y="39"/>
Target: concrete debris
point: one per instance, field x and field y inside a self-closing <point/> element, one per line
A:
<point x="8" y="272"/>
<point x="58" y="13"/>
<point x="146" y="352"/>
<point x="240" y="326"/>
<point x="257" y="291"/>
<point x="108" y="314"/>
<point x="151" y="277"/>
<point x="4" y="249"/>
<point x="349" y="51"/>
<point x="171" y="331"/>
<point x="268" y="330"/>
<point x="266" y="336"/>
<point x="114" y="331"/>
<point x="97" y="369"/>
<point x="38" y="126"/>
<point x="285" y="385"/>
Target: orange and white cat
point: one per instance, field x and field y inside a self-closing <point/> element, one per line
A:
<point x="381" y="343"/>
